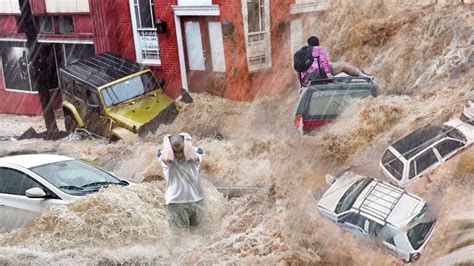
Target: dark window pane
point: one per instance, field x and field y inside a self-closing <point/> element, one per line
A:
<point x="412" y="170"/>
<point x="425" y="160"/>
<point x="15" y="182"/>
<point x="15" y="68"/>
<point x="65" y="24"/>
<point x="254" y="16"/>
<point x="393" y="165"/>
<point x="448" y="146"/>
<point x="79" y="91"/>
<point x="67" y="85"/>
<point x="418" y="234"/>
<point x="45" y="24"/>
<point x="92" y="98"/>
<point x="145" y="14"/>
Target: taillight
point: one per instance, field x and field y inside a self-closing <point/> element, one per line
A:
<point x="415" y="256"/>
<point x="298" y="119"/>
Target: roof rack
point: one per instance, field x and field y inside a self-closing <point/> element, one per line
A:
<point x="380" y="201"/>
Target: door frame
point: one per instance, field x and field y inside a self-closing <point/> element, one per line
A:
<point x="179" y="11"/>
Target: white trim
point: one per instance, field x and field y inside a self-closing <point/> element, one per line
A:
<point x="317" y="5"/>
<point x="136" y="39"/>
<point x="21" y="91"/>
<point x="182" y="63"/>
<point x="63" y="41"/>
<point x="212" y="10"/>
<point x="7" y="39"/>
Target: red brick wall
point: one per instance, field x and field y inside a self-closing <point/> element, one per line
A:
<point x="7" y="25"/>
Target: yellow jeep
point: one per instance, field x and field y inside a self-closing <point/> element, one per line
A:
<point x="113" y="97"/>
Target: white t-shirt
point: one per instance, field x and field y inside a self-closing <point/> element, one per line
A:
<point x="183" y="181"/>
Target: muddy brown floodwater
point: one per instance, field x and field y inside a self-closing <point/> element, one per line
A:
<point x="422" y="59"/>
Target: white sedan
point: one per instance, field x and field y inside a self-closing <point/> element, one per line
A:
<point x="29" y="184"/>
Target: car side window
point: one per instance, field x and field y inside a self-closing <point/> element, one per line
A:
<point x="412" y="170"/>
<point x="15" y="182"/>
<point x="67" y="85"/>
<point x="92" y="98"/>
<point x="390" y="241"/>
<point x="79" y="91"/>
<point x="356" y="219"/>
<point x="425" y="160"/>
<point x="447" y="146"/>
<point x="374" y="228"/>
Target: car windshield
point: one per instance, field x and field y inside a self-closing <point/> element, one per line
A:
<point x="128" y="89"/>
<point x="75" y="177"/>
<point x="348" y="199"/>
<point x="332" y="103"/>
<point x="393" y="164"/>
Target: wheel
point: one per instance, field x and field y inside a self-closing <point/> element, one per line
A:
<point x="70" y="123"/>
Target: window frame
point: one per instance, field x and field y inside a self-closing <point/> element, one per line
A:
<point x="450" y="153"/>
<point x="58" y="24"/>
<point x="265" y="19"/>
<point x="137" y="37"/>
<point x="430" y="149"/>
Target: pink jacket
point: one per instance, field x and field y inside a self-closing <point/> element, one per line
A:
<point x="323" y="61"/>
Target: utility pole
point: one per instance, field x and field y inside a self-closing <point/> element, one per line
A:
<point x="41" y="68"/>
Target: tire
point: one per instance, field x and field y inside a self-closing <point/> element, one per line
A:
<point x="70" y="122"/>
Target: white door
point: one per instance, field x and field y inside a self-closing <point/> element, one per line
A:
<point x="15" y="207"/>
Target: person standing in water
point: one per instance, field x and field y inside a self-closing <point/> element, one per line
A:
<point x="184" y="192"/>
<point x="329" y="69"/>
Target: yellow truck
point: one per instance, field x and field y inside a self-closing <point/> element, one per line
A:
<point x="113" y="97"/>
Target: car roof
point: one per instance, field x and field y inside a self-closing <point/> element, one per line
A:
<point x="386" y="203"/>
<point x="418" y="140"/>
<point x="102" y="69"/>
<point x="33" y="160"/>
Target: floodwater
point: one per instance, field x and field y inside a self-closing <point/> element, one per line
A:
<point x="422" y="59"/>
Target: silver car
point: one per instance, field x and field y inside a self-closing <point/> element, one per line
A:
<point x="29" y="184"/>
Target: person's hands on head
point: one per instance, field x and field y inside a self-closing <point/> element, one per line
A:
<point x="189" y="151"/>
<point x="167" y="152"/>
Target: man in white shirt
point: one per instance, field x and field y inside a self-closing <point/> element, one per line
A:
<point x="184" y="193"/>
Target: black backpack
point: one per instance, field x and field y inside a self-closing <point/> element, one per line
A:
<point x="303" y="58"/>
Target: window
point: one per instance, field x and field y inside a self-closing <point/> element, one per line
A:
<point x="44" y="24"/>
<point x="393" y="164"/>
<point x="92" y="98"/>
<point x="67" y="85"/>
<point x="257" y="30"/>
<point x="419" y="233"/>
<point x="128" y="89"/>
<point x="15" y="182"/>
<point x="412" y="170"/>
<point x="15" y="64"/>
<point x="350" y="196"/>
<point x="390" y="241"/>
<point x="425" y="160"/>
<point x="448" y="146"/>
<point x="332" y="103"/>
<point x="65" y="24"/>
<point x="144" y="31"/>
<point x="79" y="91"/>
<point x="356" y="219"/>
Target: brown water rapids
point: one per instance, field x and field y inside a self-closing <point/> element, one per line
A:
<point x="422" y="58"/>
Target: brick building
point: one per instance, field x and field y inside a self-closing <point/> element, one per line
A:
<point x="238" y="49"/>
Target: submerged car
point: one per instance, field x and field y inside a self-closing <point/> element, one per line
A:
<point x="113" y="97"/>
<point x="323" y="100"/>
<point x="29" y="184"/>
<point x="366" y="207"/>
<point x="424" y="149"/>
<point x="468" y="113"/>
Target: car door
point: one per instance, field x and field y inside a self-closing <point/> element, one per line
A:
<point x="355" y="223"/>
<point x="15" y="207"/>
<point x="424" y="161"/>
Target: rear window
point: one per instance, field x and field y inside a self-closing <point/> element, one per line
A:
<point x="393" y="164"/>
<point x="448" y="146"/>
<point x="417" y="234"/>
<point x="348" y="199"/>
<point x="332" y="103"/>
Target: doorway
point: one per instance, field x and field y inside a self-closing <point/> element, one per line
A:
<point x="204" y="54"/>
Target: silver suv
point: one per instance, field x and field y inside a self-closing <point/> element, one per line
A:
<point x="366" y="207"/>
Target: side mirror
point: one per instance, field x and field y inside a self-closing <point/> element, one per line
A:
<point x="161" y="82"/>
<point x="35" y="193"/>
<point x="330" y="179"/>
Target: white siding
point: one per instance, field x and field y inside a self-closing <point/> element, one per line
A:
<point x="9" y="6"/>
<point x="67" y="6"/>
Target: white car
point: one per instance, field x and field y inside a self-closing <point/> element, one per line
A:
<point x="424" y="149"/>
<point x="29" y="184"/>
<point x="468" y="114"/>
<point x="366" y="207"/>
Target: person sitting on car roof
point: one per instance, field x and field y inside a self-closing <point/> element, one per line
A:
<point x="184" y="192"/>
<point x="329" y="70"/>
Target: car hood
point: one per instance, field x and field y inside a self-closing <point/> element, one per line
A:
<point x="138" y="111"/>
<point x="335" y="192"/>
